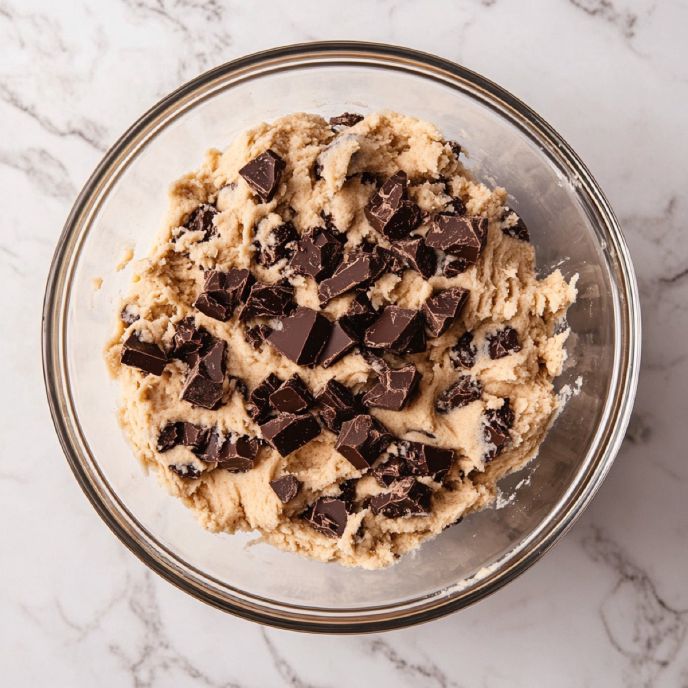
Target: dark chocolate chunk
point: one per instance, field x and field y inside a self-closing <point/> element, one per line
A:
<point x="286" y="487"/>
<point x="145" y="356"/>
<point x="391" y="470"/>
<point x="426" y="459"/>
<point x="514" y="226"/>
<point x="293" y="396"/>
<point x="394" y="390"/>
<point x="393" y="262"/>
<point x="204" y="382"/>
<point x="258" y="407"/>
<point x="269" y="300"/>
<point x="189" y="341"/>
<point x="503" y="342"/>
<point x="303" y="336"/>
<point x="398" y="330"/>
<point x="281" y="244"/>
<point x="346" y="119"/>
<point x="454" y="266"/>
<point x="238" y="455"/>
<point x="456" y="207"/>
<point x="463" y="353"/>
<point x="442" y="309"/>
<point x="236" y="384"/>
<point x="328" y="516"/>
<point x="361" y="440"/>
<point x="338" y="345"/>
<point x="359" y="316"/>
<point x="289" y="431"/>
<point x="168" y="437"/>
<point x="317" y="254"/>
<point x="187" y="471"/>
<point x="215" y="304"/>
<point x="459" y="236"/>
<point x="389" y="210"/>
<point x="406" y="497"/>
<point x="127" y="316"/>
<point x="223" y="292"/>
<point x="263" y="174"/>
<point x="348" y="491"/>
<point x="465" y="390"/>
<point x="257" y="335"/>
<point x="339" y="405"/>
<point x="496" y="429"/>
<point x="357" y="269"/>
<point x="370" y="178"/>
<point x="201" y="220"/>
<point x="419" y="256"/>
<point x="191" y="435"/>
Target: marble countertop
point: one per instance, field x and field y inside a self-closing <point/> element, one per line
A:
<point x="608" y="606"/>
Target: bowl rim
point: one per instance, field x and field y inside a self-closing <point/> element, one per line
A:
<point x="608" y="437"/>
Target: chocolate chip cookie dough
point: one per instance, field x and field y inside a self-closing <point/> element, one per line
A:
<point x="339" y="339"/>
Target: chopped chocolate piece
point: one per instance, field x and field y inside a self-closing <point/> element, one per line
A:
<point x="462" y="392"/>
<point x="201" y="220"/>
<point x="317" y="254"/>
<point x="258" y="407"/>
<point x="127" y="316"/>
<point x="168" y="437"/>
<point x="191" y="435"/>
<point x="394" y="390"/>
<point x="303" y="336"/>
<point x="426" y="459"/>
<point x="239" y="455"/>
<point x="503" y="342"/>
<point x="391" y="470"/>
<point x="370" y="178"/>
<point x="215" y="304"/>
<point x="145" y="356"/>
<point x="514" y="226"/>
<point x="454" y="266"/>
<point x="280" y="244"/>
<point x="286" y="487"/>
<point x="348" y="491"/>
<point x="455" y="148"/>
<point x="463" y="353"/>
<point x="443" y="308"/>
<point x="406" y="497"/>
<point x="455" y="207"/>
<point x="257" y="335"/>
<point x="346" y="119"/>
<point x="189" y="341"/>
<point x="361" y="440"/>
<point x="393" y="262"/>
<point x="187" y="471"/>
<point x="357" y="269"/>
<point x="396" y="330"/>
<point x="460" y="236"/>
<point x="211" y="450"/>
<point x="203" y="384"/>
<point x="289" y="431"/>
<point x="390" y="212"/>
<point x="419" y="256"/>
<point x="269" y="300"/>
<point x="293" y="396"/>
<point x="338" y="345"/>
<point x="237" y="281"/>
<point x="339" y="405"/>
<point x="328" y="516"/>
<point x="359" y="316"/>
<point x="263" y="174"/>
<point x="417" y="343"/>
<point x="496" y="430"/>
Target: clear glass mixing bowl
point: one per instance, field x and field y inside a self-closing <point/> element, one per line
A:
<point x="572" y="227"/>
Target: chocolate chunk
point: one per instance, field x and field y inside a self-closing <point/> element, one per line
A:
<point x="269" y="300"/>
<point x="394" y="390"/>
<point x="514" y="226"/>
<point x="223" y="291"/>
<point x="443" y="308"/>
<point x="238" y="385"/>
<point x="317" y="254"/>
<point x="357" y="269"/>
<point x="286" y="487"/>
<point x="348" y="491"/>
<point x="145" y="356"/>
<point x="359" y="316"/>
<point x="201" y="220"/>
<point x="328" y="516"/>
<point x="426" y="459"/>
<point x="281" y="244"/>
<point x="463" y="353"/>
<point x="390" y="471"/>
<point x="189" y="341"/>
<point x="168" y="437"/>
<point x="238" y="455"/>
<point x="361" y="440"/>
<point x="204" y="382"/>
<point x="289" y="431"/>
<point x="389" y="210"/>
<point x="127" y="316"/>
<point x="293" y="396"/>
<point x="263" y="174"/>
<point x="460" y="236"/>
<point x="455" y="207"/>
<point x="187" y="471"/>
<point x="398" y="330"/>
<point x="419" y="256"/>
<point x="370" y="178"/>
<point x="406" y="497"/>
<point x="338" y="345"/>
<point x="503" y="343"/>
<point x="191" y="435"/>
<point x="454" y="266"/>
<point x="462" y="392"/>
<point x="258" y="407"/>
<point x="346" y="119"/>
<point x="256" y="336"/>
<point x="215" y="304"/>
<point x="339" y="405"/>
<point x="496" y="429"/>
<point x="303" y="336"/>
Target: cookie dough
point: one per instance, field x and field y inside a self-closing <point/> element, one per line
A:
<point x="442" y="342"/>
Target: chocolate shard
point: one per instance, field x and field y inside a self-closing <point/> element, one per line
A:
<point x="317" y="254"/>
<point x="359" y="316"/>
<point x="394" y="263"/>
<point x="215" y="304"/>
<point x="168" y="437"/>
<point x="347" y="492"/>
<point x="463" y="353"/>
<point x="263" y="174"/>
<point x="186" y="471"/>
<point x="256" y="336"/>
<point x="405" y="497"/>
<point x="338" y="405"/>
<point x="338" y="345"/>
<point x="394" y="390"/>
<point x="223" y="292"/>
<point x="503" y="342"/>
<point x="238" y="455"/>
<point x="204" y="383"/>
<point x="398" y="330"/>
<point x="442" y="309"/>
<point x="280" y="245"/>
<point x="189" y="341"/>
<point x="201" y="219"/>
<point x="465" y="390"/>
<point x="356" y="270"/>
<point x="451" y="267"/>
<point x="192" y="435"/>
<point x="145" y="356"/>
<point x="293" y="396"/>
<point x="346" y="119"/>
<point x="328" y="516"/>
<point x="390" y="471"/>
<point x="258" y="407"/>
<point x="289" y="431"/>
<point x="426" y="459"/>
<point x="389" y="210"/>
<point x="417" y="254"/>
<point x="461" y="237"/>
<point x="286" y="487"/>
<point x="497" y="429"/>
<point x="269" y="300"/>
<point x="514" y="226"/>
<point x="361" y="440"/>
<point x="303" y="336"/>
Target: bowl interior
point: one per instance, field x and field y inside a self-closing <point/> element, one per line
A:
<point x="131" y="208"/>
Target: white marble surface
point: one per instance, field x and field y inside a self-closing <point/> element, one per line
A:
<point x="609" y="606"/>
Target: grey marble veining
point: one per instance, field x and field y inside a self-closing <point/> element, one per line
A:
<point x="609" y="606"/>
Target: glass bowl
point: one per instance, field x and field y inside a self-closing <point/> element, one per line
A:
<point x="572" y="227"/>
